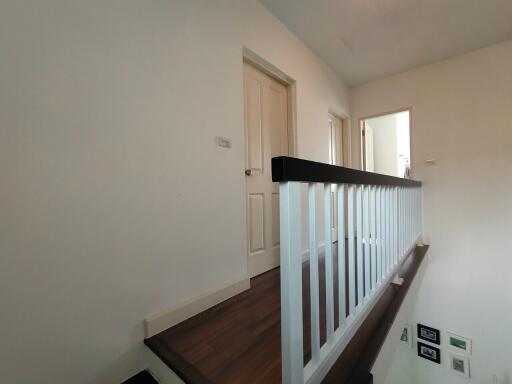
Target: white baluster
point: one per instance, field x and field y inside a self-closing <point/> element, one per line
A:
<point x="386" y="231"/>
<point x="313" y="275"/>
<point x="401" y="220"/>
<point x="408" y="217"/>
<point x="398" y="225"/>
<point x="359" y="221"/>
<point x="291" y="283"/>
<point x="329" y="284"/>
<point x="402" y="224"/>
<point x="390" y="233"/>
<point x="418" y="212"/>
<point x="411" y="241"/>
<point x="341" y="256"/>
<point x="393" y="230"/>
<point x="373" y="235"/>
<point x="366" y="235"/>
<point x="395" y="225"/>
<point x="414" y="213"/>
<point x="396" y="248"/>
<point x="351" y="250"/>
<point x="379" y="233"/>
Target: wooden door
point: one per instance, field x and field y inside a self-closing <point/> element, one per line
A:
<point x="335" y="158"/>
<point x="266" y="132"/>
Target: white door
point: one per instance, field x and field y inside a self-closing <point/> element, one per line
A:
<point x="336" y="140"/>
<point x="266" y="132"/>
<point x="368" y="150"/>
<point x="335" y="158"/>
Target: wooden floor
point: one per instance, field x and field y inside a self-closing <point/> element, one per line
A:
<point x="239" y="340"/>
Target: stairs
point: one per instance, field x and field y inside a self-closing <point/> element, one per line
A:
<point x="239" y="340"/>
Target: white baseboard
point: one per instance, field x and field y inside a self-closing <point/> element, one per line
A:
<point x="260" y="264"/>
<point x="167" y="318"/>
<point x="162" y="320"/>
<point x="305" y="253"/>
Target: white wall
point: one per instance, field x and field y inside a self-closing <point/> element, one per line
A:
<point x="461" y="117"/>
<point x="393" y="349"/>
<point x="115" y="202"/>
<point x="384" y="144"/>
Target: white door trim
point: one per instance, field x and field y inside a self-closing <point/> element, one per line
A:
<point x="362" y="139"/>
<point x="267" y="68"/>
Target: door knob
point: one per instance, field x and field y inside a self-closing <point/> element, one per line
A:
<point x="248" y="172"/>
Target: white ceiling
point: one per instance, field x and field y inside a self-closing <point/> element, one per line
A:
<point x="364" y="40"/>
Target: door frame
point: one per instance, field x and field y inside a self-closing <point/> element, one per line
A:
<point x="345" y="136"/>
<point x="346" y="133"/>
<point x="260" y="64"/>
<point x="362" y="139"/>
<point x="270" y="70"/>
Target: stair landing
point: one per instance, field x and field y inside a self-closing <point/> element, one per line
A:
<point x="239" y="340"/>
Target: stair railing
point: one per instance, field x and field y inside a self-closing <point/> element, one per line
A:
<point x="380" y="218"/>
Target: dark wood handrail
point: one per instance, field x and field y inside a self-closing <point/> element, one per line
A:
<point x="286" y="168"/>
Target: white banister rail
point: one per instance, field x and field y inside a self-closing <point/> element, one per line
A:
<point x="379" y="223"/>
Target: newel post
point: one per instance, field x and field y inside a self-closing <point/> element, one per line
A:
<point x="291" y="283"/>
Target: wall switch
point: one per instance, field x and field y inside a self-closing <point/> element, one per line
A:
<point x="430" y="162"/>
<point x="223" y="142"/>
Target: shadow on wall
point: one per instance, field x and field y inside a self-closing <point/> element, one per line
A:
<point x="132" y="361"/>
<point x="502" y="379"/>
<point x="395" y="362"/>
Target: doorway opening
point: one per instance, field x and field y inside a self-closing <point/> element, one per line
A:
<point x="335" y="139"/>
<point x="386" y="144"/>
<point x="337" y="156"/>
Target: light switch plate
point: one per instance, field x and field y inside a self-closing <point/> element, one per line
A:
<point x="223" y="142"/>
